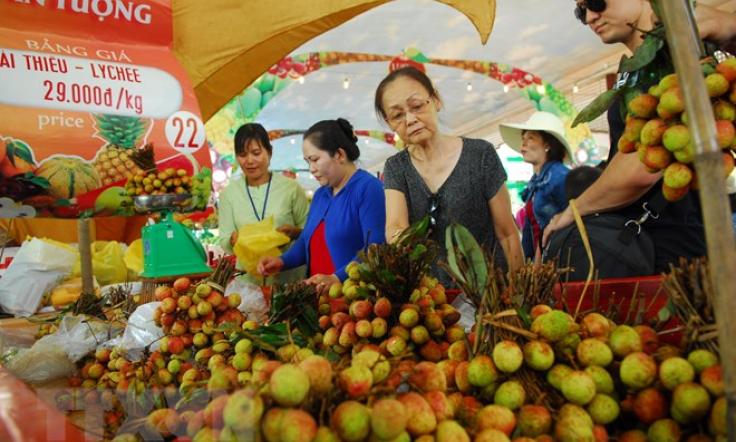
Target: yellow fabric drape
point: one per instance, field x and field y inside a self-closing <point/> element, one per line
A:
<point x="225" y="45"/>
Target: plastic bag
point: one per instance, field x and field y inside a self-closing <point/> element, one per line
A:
<point x="108" y="265"/>
<point x="467" y="312"/>
<point x="140" y="332"/>
<point x="256" y="241"/>
<point x="38" y="266"/>
<point x="134" y="256"/>
<point x="252" y="302"/>
<point x="53" y="356"/>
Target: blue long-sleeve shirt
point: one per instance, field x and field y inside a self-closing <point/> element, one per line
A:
<point x="548" y="190"/>
<point x="353" y="218"/>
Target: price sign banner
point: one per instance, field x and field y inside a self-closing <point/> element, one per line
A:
<point x="96" y="110"/>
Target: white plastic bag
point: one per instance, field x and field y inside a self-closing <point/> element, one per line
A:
<point x="467" y="312"/>
<point x="140" y="332"/>
<point x="252" y="302"/>
<point x="53" y="356"/>
<point x="38" y="266"/>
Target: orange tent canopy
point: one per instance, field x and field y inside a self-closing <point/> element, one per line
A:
<point x="224" y="48"/>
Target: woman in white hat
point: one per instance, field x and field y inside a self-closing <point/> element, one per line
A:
<point x="541" y="142"/>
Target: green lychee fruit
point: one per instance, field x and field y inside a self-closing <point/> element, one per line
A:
<point x="602" y="379"/>
<point x="451" y="431"/>
<point x="678" y="175"/>
<point x="491" y="435"/>
<point x="534" y="420"/>
<point x="289" y="385"/>
<point x="497" y="417"/>
<point x="351" y="421"/>
<point x="325" y="434"/>
<point x="643" y="106"/>
<point x="638" y="370"/>
<point x="664" y="430"/>
<point x="624" y="340"/>
<point x="671" y="101"/>
<point x="674" y="371"/>
<point x="712" y="379"/>
<point x="243" y="410"/>
<point x="422" y="418"/>
<point x="633" y="436"/>
<point x="557" y="374"/>
<point x="538" y="355"/>
<point x="603" y="409"/>
<point x="676" y="137"/>
<point x="702" y="359"/>
<point x="319" y="371"/>
<point x="355" y="381"/>
<point x="593" y="351"/>
<point x="508" y="356"/>
<point x="482" y="371"/>
<point x="573" y="430"/>
<point x="668" y="82"/>
<point x="297" y="426"/>
<point x="716" y="85"/>
<point x="717" y="419"/>
<point x="553" y="326"/>
<point x="690" y="401"/>
<point x="510" y="394"/>
<point x="388" y="418"/>
<point x="724" y="110"/>
<point x="578" y="388"/>
<point x="576" y="412"/>
<point x="633" y="129"/>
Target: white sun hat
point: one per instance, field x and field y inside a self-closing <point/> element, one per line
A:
<point x="540" y="122"/>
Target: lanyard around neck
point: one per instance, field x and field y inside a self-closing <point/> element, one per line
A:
<point x="265" y="200"/>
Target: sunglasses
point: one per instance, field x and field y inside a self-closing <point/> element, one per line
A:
<point x="434" y="204"/>
<point x="581" y="9"/>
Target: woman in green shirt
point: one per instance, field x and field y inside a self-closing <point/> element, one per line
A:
<point x="261" y="193"/>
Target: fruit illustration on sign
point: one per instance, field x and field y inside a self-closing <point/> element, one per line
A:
<point x="122" y="135"/>
<point x="68" y="176"/>
<point x="114" y="201"/>
<point x="16" y="158"/>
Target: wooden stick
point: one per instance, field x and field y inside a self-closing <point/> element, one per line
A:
<point x="677" y="17"/>
<point x="85" y="255"/>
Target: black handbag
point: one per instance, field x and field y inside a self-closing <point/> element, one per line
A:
<point x="620" y="246"/>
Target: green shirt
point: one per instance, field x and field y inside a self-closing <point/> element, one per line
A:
<point x="287" y="202"/>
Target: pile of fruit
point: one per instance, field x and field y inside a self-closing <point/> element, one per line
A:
<point x="157" y="182"/>
<point x="383" y="357"/>
<point x="657" y="127"/>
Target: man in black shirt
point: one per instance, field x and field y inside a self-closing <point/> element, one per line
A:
<point x="625" y="185"/>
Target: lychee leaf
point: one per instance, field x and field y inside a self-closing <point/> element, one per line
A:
<point x="643" y="55"/>
<point x="473" y="253"/>
<point x="597" y="107"/>
<point x="451" y="259"/>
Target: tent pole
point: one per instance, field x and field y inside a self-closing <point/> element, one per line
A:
<point x="714" y="203"/>
<point x="85" y="255"/>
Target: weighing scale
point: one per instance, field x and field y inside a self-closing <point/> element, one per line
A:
<point x="169" y="248"/>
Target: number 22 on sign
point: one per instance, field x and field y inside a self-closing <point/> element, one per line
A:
<point x="185" y="132"/>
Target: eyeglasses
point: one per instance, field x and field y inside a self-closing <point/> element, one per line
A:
<point x="434" y="205"/>
<point x="582" y="7"/>
<point x="399" y="115"/>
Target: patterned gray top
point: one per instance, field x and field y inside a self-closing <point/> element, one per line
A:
<point x="463" y="197"/>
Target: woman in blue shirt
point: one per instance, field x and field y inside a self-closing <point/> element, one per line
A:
<point x="347" y="213"/>
<point x="541" y="142"/>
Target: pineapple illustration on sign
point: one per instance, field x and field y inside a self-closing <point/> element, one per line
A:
<point x="122" y="134"/>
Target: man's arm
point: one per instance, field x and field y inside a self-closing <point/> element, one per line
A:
<point x="717" y="26"/>
<point x="623" y="182"/>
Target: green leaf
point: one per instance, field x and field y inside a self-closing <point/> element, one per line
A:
<point x="473" y="253"/>
<point x="663" y="314"/>
<point x="37" y="180"/>
<point x="644" y="54"/>
<point x="451" y="258"/>
<point x="596" y="107"/>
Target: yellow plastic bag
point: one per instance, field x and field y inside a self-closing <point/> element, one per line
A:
<point x="256" y="241"/>
<point x="108" y="265"/>
<point x="134" y="256"/>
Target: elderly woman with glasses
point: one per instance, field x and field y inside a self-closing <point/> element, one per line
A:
<point x="448" y="178"/>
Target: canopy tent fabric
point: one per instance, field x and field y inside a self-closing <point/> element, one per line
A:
<point x="225" y="48"/>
